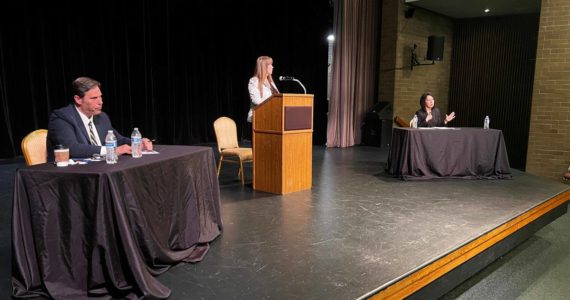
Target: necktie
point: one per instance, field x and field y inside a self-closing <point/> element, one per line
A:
<point x="92" y="135"/>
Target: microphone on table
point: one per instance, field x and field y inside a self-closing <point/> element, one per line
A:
<point x="291" y="78"/>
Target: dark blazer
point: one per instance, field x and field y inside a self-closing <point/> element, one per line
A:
<point x="66" y="128"/>
<point x="436" y="118"/>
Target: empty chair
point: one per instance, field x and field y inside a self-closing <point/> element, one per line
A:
<point x="401" y="122"/>
<point x="34" y="147"/>
<point x="230" y="151"/>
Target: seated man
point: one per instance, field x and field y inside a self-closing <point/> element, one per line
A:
<point x="82" y="126"/>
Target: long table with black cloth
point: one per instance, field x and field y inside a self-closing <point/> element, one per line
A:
<point x="464" y="152"/>
<point x="105" y="231"/>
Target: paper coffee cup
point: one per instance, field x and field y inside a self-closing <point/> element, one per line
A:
<point x="61" y="154"/>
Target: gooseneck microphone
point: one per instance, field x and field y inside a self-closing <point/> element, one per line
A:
<point x="286" y="78"/>
<point x="291" y="78"/>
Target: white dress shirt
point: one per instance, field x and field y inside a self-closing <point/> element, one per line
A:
<point x="86" y="121"/>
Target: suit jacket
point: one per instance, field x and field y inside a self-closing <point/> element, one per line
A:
<point x="66" y="128"/>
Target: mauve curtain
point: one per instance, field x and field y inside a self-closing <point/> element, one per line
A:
<point x="354" y="69"/>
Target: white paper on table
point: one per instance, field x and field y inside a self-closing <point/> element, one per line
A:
<point x="150" y="152"/>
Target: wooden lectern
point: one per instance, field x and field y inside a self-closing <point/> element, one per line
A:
<point x="283" y="144"/>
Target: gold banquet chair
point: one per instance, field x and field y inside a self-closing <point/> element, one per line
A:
<point x="228" y="147"/>
<point x="34" y="147"/>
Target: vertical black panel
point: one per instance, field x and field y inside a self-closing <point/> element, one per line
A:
<point x="492" y="73"/>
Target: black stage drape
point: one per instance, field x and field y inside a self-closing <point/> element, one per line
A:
<point x="168" y="67"/>
<point x="492" y="73"/>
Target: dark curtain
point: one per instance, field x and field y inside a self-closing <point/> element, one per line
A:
<point x="492" y="73"/>
<point x="168" y="67"/>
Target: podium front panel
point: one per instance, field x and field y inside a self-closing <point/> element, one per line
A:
<point x="297" y="162"/>
<point x="298" y="117"/>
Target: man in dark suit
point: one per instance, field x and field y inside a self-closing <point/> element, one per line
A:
<point x="82" y="125"/>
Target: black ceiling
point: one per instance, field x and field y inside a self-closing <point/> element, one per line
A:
<point x="461" y="9"/>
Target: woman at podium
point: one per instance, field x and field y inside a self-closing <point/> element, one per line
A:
<point x="261" y="86"/>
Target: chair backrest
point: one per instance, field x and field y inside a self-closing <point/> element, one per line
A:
<point x="401" y="122"/>
<point x="226" y="133"/>
<point x="34" y="147"/>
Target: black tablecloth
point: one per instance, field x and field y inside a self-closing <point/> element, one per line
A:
<point x="426" y="153"/>
<point x="106" y="230"/>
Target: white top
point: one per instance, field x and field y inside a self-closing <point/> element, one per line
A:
<point x="255" y="96"/>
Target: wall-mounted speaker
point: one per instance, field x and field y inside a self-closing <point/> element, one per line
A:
<point x="435" y="47"/>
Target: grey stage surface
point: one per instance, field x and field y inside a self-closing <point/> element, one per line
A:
<point x="355" y="231"/>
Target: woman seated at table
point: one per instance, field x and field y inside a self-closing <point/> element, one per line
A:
<point x="429" y="115"/>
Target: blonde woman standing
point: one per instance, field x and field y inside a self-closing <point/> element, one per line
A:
<point x="261" y="86"/>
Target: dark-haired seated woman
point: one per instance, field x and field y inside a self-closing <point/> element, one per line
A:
<point x="429" y="115"/>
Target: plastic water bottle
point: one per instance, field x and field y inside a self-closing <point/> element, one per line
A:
<point x="414" y="122"/>
<point x="136" y="143"/>
<point x="486" y="122"/>
<point x="111" y="145"/>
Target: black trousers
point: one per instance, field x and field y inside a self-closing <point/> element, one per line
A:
<point x="247" y="132"/>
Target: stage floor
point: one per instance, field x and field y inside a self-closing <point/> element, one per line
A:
<point x="354" y="232"/>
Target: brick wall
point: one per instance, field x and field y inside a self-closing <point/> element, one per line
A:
<point x="398" y="83"/>
<point x="549" y="137"/>
<point x="388" y="42"/>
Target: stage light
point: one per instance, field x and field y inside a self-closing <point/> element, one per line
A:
<point x="330" y="38"/>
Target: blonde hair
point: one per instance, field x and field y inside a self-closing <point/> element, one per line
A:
<point x="262" y="74"/>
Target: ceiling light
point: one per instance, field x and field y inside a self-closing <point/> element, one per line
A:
<point x="487" y="10"/>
